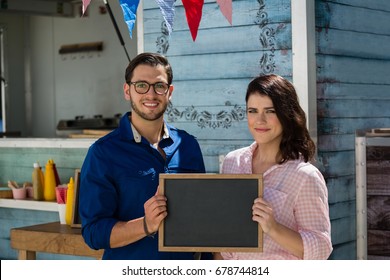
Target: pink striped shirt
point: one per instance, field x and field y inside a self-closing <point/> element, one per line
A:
<point x="299" y="197"/>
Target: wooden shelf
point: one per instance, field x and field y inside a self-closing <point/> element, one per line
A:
<point x="29" y="204"/>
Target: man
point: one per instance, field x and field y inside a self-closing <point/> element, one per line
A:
<point x="119" y="205"/>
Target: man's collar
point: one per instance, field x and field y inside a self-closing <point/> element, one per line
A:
<point x="137" y="135"/>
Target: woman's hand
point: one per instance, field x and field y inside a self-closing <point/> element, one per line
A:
<point x="287" y="238"/>
<point x="263" y="214"/>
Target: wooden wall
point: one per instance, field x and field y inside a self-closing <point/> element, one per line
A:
<point x="378" y="202"/>
<point x="17" y="163"/>
<point x="353" y="90"/>
<point x="212" y="73"/>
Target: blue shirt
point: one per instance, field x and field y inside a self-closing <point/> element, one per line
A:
<point x="119" y="174"/>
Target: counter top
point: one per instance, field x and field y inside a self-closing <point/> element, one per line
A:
<point x="29" y="204"/>
<point x="50" y="238"/>
<point x="45" y="142"/>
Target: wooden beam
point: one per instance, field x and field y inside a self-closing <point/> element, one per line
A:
<point x="304" y="59"/>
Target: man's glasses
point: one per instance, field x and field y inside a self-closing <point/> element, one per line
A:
<point x="143" y="87"/>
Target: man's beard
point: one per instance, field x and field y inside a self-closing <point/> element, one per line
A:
<point x="150" y="116"/>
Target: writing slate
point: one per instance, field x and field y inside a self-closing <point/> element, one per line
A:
<point x="210" y="213"/>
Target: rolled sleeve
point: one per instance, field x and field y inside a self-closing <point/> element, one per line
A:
<point x="316" y="246"/>
<point x="312" y="214"/>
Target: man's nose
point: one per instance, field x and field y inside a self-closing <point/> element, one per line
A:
<point x="151" y="90"/>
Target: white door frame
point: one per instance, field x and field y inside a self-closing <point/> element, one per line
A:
<point x="304" y="59"/>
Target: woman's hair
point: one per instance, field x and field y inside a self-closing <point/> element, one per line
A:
<point x="296" y="141"/>
<point x="151" y="59"/>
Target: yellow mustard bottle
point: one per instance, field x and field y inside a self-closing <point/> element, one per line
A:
<point x="69" y="202"/>
<point x="37" y="181"/>
<point x="49" y="190"/>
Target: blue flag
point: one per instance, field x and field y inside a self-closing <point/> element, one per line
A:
<point x="129" y="9"/>
<point x="168" y="11"/>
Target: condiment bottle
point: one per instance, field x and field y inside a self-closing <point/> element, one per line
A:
<point x="38" y="182"/>
<point x="58" y="182"/>
<point x="69" y="202"/>
<point x="50" y="182"/>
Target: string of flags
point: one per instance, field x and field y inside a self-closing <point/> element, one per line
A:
<point x="193" y="10"/>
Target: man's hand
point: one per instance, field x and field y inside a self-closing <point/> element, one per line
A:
<point x="155" y="212"/>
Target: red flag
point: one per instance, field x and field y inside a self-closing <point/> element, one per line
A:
<point x="226" y="9"/>
<point x="85" y="5"/>
<point x="194" y="14"/>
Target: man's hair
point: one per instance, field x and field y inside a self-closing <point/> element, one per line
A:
<point x="296" y="140"/>
<point x="151" y="59"/>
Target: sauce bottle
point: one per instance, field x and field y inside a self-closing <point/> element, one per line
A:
<point x="38" y="182"/>
<point x="69" y="202"/>
<point x="58" y="182"/>
<point x="49" y="192"/>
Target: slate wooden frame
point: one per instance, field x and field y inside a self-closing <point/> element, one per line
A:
<point x="76" y="219"/>
<point x="217" y="194"/>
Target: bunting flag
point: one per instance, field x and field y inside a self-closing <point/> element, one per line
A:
<point x="85" y="5"/>
<point x="226" y="9"/>
<point x="129" y="9"/>
<point x="168" y="11"/>
<point x="193" y="10"/>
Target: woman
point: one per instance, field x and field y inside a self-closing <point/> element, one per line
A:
<point x="294" y="211"/>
